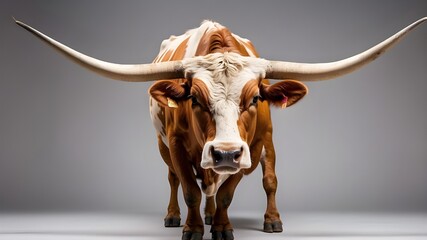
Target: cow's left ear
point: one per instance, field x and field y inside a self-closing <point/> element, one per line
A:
<point x="283" y="94"/>
<point x="169" y="92"/>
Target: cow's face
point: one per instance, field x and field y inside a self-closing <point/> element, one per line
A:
<point x="223" y="92"/>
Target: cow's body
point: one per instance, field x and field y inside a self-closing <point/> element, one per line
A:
<point x="182" y="151"/>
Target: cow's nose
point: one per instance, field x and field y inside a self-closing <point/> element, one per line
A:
<point x="226" y="158"/>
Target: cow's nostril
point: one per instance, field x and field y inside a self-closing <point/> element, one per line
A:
<point x="216" y="155"/>
<point x="237" y="154"/>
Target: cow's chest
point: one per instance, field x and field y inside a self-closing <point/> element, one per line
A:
<point x="212" y="189"/>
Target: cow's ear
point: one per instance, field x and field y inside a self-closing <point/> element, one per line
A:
<point x="283" y="94"/>
<point x="169" y="92"/>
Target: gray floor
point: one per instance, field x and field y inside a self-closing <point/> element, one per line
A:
<point x="96" y="226"/>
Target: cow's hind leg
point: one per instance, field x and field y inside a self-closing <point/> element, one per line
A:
<point x="172" y="218"/>
<point x="221" y="226"/>
<point x="272" y="222"/>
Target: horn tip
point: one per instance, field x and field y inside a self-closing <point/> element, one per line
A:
<point x="17" y="21"/>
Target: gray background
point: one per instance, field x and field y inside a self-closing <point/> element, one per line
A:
<point x="72" y="140"/>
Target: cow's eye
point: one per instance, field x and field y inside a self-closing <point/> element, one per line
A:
<point x="194" y="101"/>
<point x="255" y="100"/>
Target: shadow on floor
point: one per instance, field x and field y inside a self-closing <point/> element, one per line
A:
<point x="244" y="225"/>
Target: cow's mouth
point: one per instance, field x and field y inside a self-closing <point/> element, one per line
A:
<point x="226" y="170"/>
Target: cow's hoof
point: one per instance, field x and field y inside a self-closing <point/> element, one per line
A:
<point x="192" y="236"/>
<point x="172" y="222"/>
<point x="224" y="235"/>
<point x="208" y="220"/>
<point x="273" y="227"/>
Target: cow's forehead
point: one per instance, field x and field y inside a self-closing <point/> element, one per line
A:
<point x="225" y="75"/>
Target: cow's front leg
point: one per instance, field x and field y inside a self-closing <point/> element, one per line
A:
<point x="173" y="218"/>
<point x="221" y="226"/>
<point x="272" y="222"/>
<point x="193" y="228"/>
<point x="209" y="209"/>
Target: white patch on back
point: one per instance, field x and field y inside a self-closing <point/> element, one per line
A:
<point x="244" y="43"/>
<point x="193" y="35"/>
<point x="197" y="34"/>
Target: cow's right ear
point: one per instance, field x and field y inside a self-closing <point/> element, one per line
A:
<point x="169" y="92"/>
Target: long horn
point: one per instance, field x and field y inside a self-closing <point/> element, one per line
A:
<point x="123" y="72"/>
<point x="324" y="71"/>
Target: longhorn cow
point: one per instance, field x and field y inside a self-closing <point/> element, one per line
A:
<point x="210" y="105"/>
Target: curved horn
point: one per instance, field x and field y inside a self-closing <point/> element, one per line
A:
<point x="324" y="71"/>
<point x="123" y="72"/>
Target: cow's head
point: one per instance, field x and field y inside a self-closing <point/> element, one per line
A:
<point x="223" y="91"/>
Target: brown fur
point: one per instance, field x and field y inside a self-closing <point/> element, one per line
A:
<point x="220" y="41"/>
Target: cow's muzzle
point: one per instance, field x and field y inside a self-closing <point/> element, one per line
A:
<point x="225" y="158"/>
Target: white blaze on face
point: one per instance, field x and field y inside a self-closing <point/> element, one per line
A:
<point x="225" y="75"/>
<point x="227" y="138"/>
